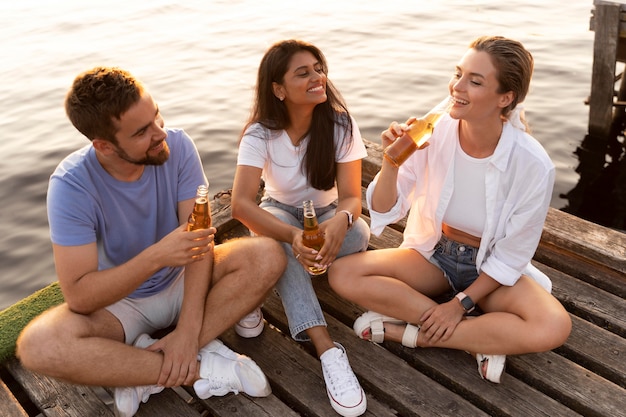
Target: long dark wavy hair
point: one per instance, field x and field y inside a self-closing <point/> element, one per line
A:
<point x="328" y="118"/>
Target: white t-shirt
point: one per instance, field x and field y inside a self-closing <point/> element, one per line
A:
<point x="467" y="209"/>
<point x="281" y="162"/>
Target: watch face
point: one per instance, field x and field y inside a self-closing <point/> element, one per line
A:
<point x="467" y="303"/>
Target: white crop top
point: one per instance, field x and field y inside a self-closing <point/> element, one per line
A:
<point x="467" y="209"/>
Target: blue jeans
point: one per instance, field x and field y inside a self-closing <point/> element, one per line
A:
<point x="295" y="287"/>
<point x="457" y="261"/>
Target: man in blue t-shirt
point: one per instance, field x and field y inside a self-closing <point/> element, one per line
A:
<point x="128" y="267"/>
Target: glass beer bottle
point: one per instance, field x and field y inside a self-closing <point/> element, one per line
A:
<point x="312" y="237"/>
<point x="200" y="217"/>
<point x="419" y="132"/>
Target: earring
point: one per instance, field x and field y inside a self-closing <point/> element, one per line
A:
<point x="281" y="98"/>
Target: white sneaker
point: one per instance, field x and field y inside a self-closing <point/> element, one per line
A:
<point x="344" y="391"/>
<point x="223" y="371"/>
<point x="127" y="399"/>
<point x="251" y="325"/>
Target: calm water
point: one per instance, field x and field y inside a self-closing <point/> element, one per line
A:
<point x="199" y="59"/>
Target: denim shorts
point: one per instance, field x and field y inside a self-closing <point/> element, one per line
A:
<point x="457" y="261"/>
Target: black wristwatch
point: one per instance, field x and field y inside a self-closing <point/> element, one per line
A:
<point x="466" y="302"/>
<point x="349" y="217"/>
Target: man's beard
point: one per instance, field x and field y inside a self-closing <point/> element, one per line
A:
<point x="158" y="159"/>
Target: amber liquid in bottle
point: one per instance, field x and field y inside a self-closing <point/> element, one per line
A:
<point x="200" y="217"/>
<point x="312" y="237"/>
<point x="419" y="132"/>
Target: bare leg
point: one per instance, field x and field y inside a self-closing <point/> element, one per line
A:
<point x="85" y="349"/>
<point x="520" y="319"/>
<point x="245" y="270"/>
<point x="320" y="339"/>
<point x="394" y="282"/>
<point x="89" y="349"/>
<point x="515" y="320"/>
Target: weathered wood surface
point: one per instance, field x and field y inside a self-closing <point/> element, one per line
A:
<point x="608" y="21"/>
<point x="586" y="376"/>
<point x="10" y="405"/>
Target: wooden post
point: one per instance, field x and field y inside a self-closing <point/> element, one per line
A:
<point x="607" y="19"/>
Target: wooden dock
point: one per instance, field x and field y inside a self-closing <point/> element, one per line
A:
<point x="608" y="21"/>
<point x="586" y="376"/>
<point x="600" y="192"/>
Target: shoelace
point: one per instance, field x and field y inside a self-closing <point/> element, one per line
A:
<point x="252" y="318"/>
<point x="221" y="384"/>
<point x="340" y="375"/>
<point x="214" y="386"/>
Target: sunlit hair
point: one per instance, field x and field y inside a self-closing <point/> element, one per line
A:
<point x="98" y="97"/>
<point x="319" y="160"/>
<point x="514" y="66"/>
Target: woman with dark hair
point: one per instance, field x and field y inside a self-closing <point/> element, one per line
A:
<point x="477" y="199"/>
<point x="304" y="144"/>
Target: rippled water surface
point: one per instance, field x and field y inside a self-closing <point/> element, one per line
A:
<point x="199" y="59"/>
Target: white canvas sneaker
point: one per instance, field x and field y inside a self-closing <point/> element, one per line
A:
<point x="128" y="399"/>
<point x="251" y="325"/>
<point x="344" y="391"/>
<point x="223" y="371"/>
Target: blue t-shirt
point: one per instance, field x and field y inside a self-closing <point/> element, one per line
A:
<point x="86" y="204"/>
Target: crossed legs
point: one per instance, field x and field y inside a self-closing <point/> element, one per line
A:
<point x="90" y="349"/>
<point x="400" y="283"/>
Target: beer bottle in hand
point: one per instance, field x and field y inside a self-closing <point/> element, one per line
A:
<point x="200" y="217"/>
<point x="419" y="132"/>
<point x="312" y="237"/>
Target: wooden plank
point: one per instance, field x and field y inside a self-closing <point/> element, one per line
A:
<point x="593" y="21"/>
<point x="167" y="404"/>
<point x="55" y="398"/>
<point x="587" y="302"/>
<point x="9" y="404"/>
<point x="584" y="239"/>
<point x="596" y="349"/>
<point x="594" y="273"/>
<point x="240" y="405"/>
<point x="371" y="163"/>
<point x="581" y="390"/>
<point x="606" y="36"/>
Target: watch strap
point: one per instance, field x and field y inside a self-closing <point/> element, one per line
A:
<point x="350" y="217"/>
<point x="466" y="302"/>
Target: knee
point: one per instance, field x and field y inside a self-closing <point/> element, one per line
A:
<point x="272" y="258"/>
<point x="553" y="332"/>
<point x="33" y="346"/>
<point x="339" y="277"/>
<point x="560" y="328"/>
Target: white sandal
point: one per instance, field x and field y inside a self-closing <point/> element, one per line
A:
<point x="376" y="323"/>
<point x="494" y="367"/>
<point x="409" y="337"/>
